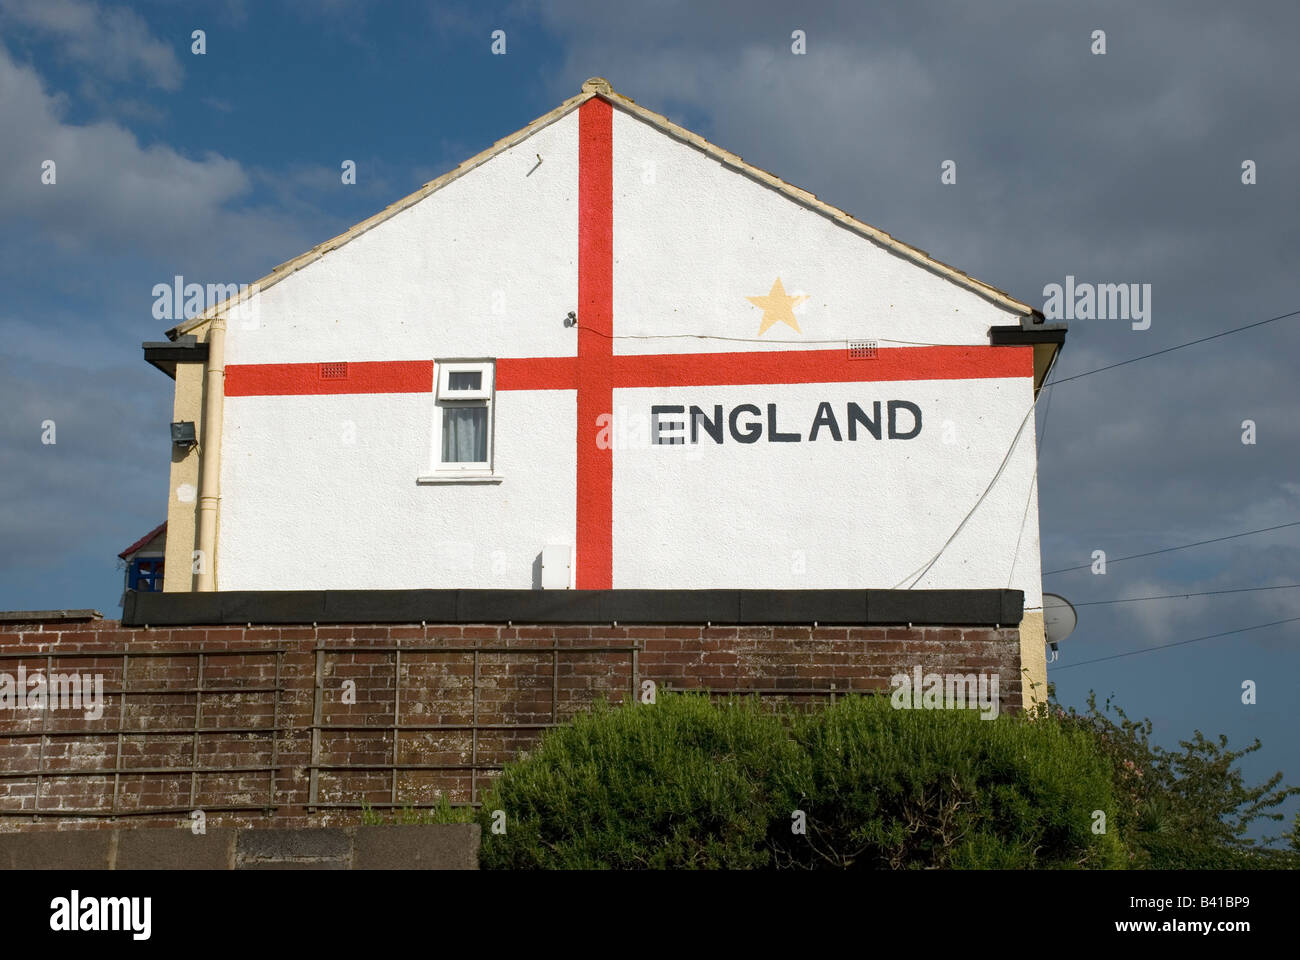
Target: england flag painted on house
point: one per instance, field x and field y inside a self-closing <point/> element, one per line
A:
<point x="607" y="353"/>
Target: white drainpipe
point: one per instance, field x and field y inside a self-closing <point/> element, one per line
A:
<point x="210" y="477"/>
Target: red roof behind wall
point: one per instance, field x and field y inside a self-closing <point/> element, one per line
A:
<point x="143" y="540"/>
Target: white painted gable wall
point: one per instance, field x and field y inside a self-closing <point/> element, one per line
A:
<point x="302" y="508"/>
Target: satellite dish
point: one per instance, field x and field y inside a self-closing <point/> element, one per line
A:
<point x="1059" y="620"/>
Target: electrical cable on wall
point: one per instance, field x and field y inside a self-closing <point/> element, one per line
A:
<point x="1033" y="482"/>
<point x="915" y="576"/>
<point x="921" y="343"/>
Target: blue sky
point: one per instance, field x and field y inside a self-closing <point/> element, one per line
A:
<point x="1116" y="168"/>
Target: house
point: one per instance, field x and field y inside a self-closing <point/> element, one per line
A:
<point x="144" y="561"/>
<point x="608" y="354"/>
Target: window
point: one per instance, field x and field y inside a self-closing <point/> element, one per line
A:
<point x="145" y="575"/>
<point x="463" y="438"/>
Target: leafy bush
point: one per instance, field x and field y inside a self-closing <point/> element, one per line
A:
<point x="944" y="788"/>
<point x="1188" y="808"/>
<point x="690" y="783"/>
<point x="682" y="784"/>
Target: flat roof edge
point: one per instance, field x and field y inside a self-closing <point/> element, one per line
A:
<point x="49" y="616"/>
<point x="988" y="607"/>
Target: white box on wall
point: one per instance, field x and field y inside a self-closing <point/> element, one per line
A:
<point x="557" y="566"/>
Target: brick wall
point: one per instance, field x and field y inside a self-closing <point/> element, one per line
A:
<point x="261" y="679"/>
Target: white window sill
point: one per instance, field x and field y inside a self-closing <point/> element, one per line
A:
<point x="459" y="476"/>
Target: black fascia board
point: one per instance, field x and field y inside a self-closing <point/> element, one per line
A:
<point x="1019" y="336"/>
<point x="167" y="353"/>
<point x="731" y="607"/>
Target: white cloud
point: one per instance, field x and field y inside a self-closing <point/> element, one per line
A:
<point x="116" y="42"/>
<point x="114" y="193"/>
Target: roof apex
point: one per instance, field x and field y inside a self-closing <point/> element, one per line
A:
<point x="600" y="87"/>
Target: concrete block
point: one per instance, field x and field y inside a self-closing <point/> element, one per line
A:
<point x="51" y="850"/>
<point x="316" y="843"/>
<point x="293" y="865"/>
<point x="175" y="849"/>
<point x="445" y="846"/>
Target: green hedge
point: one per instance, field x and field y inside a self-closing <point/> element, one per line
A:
<point x="687" y="783"/>
<point x="679" y="784"/>
<point x="944" y="788"/>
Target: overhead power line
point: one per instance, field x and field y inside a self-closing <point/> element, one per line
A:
<point x="1189" y="343"/>
<point x="1182" y="596"/>
<point x="1177" y="643"/>
<point x="1199" y="543"/>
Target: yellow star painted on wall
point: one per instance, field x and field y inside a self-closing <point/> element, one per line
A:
<point x="777" y="308"/>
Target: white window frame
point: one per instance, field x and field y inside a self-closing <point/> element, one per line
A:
<point x="447" y="368"/>
<point x="444" y="398"/>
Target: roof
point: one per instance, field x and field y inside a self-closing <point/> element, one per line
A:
<point x="598" y="87"/>
<point x="139" y="544"/>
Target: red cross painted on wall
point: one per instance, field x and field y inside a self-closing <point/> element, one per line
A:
<point x="597" y="371"/>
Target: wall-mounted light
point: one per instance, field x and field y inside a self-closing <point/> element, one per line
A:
<point x="183" y="434"/>
<point x="571" y="320"/>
